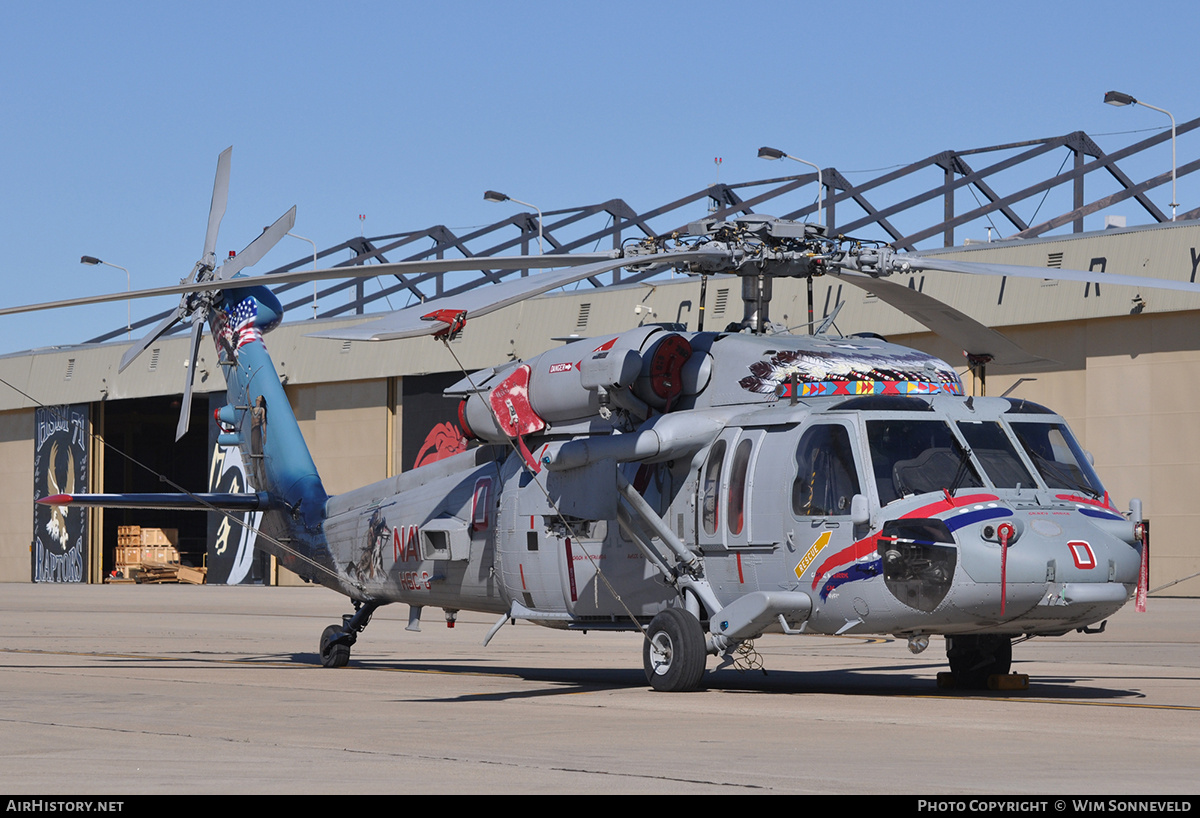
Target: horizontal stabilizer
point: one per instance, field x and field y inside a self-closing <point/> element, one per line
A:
<point x="177" y="502"/>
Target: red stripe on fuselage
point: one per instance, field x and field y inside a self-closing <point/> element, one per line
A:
<point x="1091" y="501"/>
<point x="864" y="547"/>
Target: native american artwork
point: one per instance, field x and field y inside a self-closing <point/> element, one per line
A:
<point x="851" y="371"/>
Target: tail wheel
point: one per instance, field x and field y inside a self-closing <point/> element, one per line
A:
<point x="674" y="653"/>
<point x="333" y="652"/>
<point x="976" y="657"/>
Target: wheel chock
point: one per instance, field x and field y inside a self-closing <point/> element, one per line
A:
<point x="1009" y="681"/>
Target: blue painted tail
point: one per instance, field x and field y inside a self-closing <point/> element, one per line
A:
<point x="259" y="420"/>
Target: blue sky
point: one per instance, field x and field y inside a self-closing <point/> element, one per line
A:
<point x="114" y="113"/>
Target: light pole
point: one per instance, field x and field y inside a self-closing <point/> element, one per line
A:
<point x="775" y="153"/>
<point x="93" y="261"/>
<point x="495" y="196"/>
<point x="1121" y="100"/>
<point x="314" y="246"/>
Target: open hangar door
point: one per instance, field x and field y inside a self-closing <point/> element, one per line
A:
<point x="141" y="446"/>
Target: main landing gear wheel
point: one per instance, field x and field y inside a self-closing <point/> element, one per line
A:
<point x="673" y="652"/>
<point x="974" y="658"/>
<point x="334" y="653"/>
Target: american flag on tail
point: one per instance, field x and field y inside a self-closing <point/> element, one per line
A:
<point x="243" y="319"/>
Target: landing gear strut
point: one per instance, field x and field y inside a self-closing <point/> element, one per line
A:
<point x="974" y="658"/>
<point x="674" y="653"/>
<point x="337" y="639"/>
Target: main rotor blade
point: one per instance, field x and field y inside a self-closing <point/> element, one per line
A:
<point x="407" y="323"/>
<point x="444" y="265"/>
<point x="450" y="265"/>
<point x="148" y="339"/>
<point x="185" y="408"/>
<point x="1020" y="271"/>
<point x="220" y="198"/>
<point x="258" y="248"/>
<point x="972" y="336"/>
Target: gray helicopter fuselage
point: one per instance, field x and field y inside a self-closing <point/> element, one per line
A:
<point x="819" y="485"/>
<point x="705" y="486"/>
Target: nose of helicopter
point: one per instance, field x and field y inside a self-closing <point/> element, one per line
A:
<point x="1048" y="568"/>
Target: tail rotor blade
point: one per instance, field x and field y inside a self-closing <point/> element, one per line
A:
<point x="258" y="248"/>
<point x="140" y="347"/>
<point x="185" y="408"/>
<point x="219" y="199"/>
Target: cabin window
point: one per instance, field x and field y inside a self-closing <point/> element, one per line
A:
<point x="710" y="489"/>
<point x="996" y="454"/>
<point x="736" y="507"/>
<point x="911" y="457"/>
<point x="1057" y="457"/>
<point x="826" y="479"/>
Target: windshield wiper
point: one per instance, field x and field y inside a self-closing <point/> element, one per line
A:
<point x="964" y="462"/>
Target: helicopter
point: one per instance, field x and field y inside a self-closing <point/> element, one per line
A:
<point x="701" y="487"/>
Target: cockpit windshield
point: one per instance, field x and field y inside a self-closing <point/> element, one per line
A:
<point x="996" y="454"/>
<point x="916" y="457"/>
<point x="1057" y="457"/>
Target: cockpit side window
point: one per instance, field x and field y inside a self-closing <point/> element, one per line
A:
<point x="917" y="457"/>
<point x="826" y="479"/>
<point x="1057" y="457"/>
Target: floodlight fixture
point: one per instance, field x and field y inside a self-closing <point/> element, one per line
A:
<point x="1119" y="99"/>
<point x="93" y="261"/>
<point x="497" y="196"/>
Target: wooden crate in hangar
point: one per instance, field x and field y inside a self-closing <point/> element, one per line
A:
<point x="160" y="536"/>
<point x="137" y="535"/>
<point x="135" y="555"/>
<point x="149" y="555"/>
